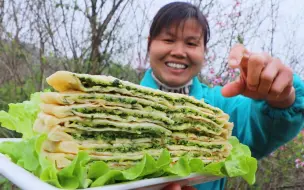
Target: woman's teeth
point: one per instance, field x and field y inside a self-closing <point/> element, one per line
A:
<point x="176" y="65"/>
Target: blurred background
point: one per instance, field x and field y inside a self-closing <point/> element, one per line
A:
<point x="39" y="37"/>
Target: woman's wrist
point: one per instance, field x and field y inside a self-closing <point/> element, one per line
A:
<point x="283" y="103"/>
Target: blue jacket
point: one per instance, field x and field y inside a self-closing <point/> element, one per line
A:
<point x="256" y="124"/>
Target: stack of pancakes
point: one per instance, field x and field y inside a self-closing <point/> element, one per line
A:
<point x="118" y="122"/>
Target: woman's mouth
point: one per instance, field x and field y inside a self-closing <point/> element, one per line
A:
<point x="176" y="65"/>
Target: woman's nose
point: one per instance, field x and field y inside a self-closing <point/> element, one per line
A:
<point x="178" y="50"/>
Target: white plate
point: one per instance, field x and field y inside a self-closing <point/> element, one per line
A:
<point x="27" y="181"/>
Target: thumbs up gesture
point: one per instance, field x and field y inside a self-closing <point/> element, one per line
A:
<point x="262" y="77"/>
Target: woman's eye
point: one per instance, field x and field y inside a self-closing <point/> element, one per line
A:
<point x="192" y="44"/>
<point x="169" y="40"/>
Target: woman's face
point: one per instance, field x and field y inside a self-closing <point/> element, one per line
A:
<point x="177" y="53"/>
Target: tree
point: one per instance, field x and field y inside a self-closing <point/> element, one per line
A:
<point x="42" y="36"/>
<point x="91" y="50"/>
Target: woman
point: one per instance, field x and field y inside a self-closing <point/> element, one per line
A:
<point x="265" y="104"/>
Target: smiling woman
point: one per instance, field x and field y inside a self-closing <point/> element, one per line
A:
<point x="177" y="53"/>
<point x="177" y="43"/>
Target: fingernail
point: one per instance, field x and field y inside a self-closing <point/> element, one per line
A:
<point x="232" y="62"/>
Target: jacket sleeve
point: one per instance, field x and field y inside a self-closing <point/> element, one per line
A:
<point x="260" y="126"/>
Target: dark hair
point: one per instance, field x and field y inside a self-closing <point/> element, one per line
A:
<point x="177" y="12"/>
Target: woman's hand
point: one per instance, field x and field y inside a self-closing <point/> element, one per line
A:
<point x="262" y="78"/>
<point x="176" y="186"/>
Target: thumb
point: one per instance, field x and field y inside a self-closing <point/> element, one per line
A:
<point x="234" y="88"/>
<point x="233" y="63"/>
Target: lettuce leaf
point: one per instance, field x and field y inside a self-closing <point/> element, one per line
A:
<point x="21" y="116"/>
<point x="22" y="153"/>
<point x="83" y="172"/>
<point x="240" y="162"/>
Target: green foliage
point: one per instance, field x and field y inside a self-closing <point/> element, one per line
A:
<point x="124" y="72"/>
<point x="282" y="169"/>
<point x="240" y="39"/>
<point x="10" y="92"/>
<point x="5" y="184"/>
